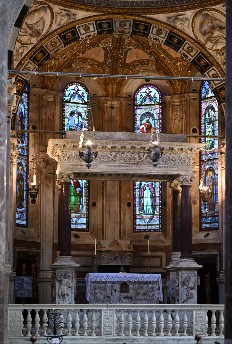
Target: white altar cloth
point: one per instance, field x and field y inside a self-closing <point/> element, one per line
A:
<point x="107" y="288"/>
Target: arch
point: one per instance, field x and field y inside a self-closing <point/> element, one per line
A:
<point x="143" y="28"/>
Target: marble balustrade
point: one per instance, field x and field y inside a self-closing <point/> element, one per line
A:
<point x="98" y="321"/>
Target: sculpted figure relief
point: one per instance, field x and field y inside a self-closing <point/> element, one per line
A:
<point x="214" y="31"/>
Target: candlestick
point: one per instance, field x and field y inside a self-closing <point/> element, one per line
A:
<point x="148" y="247"/>
<point x="95" y="247"/>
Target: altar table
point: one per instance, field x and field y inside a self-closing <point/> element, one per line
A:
<point x="123" y="288"/>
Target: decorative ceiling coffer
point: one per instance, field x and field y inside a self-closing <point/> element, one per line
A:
<point x="124" y="155"/>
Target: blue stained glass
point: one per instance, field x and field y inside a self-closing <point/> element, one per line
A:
<point x="147" y="195"/>
<point x="22" y="117"/>
<point x="76" y="107"/>
<point x="209" y="157"/>
<point x="147" y="109"/>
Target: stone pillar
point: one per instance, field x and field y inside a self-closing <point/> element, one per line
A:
<point x="183" y="281"/>
<point x="228" y="181"/>
<point x="4" y="144"/>
<point x="186" y="217"/>
<point x="176" y="216"/>
<point x="48" y="216"/>
<point x="64" y="266"/>
<point x="172" y="276"/>
<point x="64" y="224"/>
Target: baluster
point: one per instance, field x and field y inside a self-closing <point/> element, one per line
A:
<point x="221" y="323"/>
<point x="129" y="324"/>
<point x="121" y="323"/>
<point x="29" y="324"/>
<point x="138" y="324"/>
<point x="69" y="323"/>
<point x="93" y="323"/>
<point x="85" y="323"/>
<point x="169" y="324"/>
<point x="77" y="324"/>
<point x="213" y="323"/>
<point x="61" y="322"/>
<point x="153" y="324"/>
<point x="22" y="323"/>
<point x="45" y="322"/>
<point x="161" y="324"/>
<point x="206" y="323"/>
<point x="37" y="324"/>
<point x="145" y="323"/>
<point x="177" y="323"/>
<point x="185" y="324"/>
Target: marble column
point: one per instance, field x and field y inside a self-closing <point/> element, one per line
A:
<point x="64" y="267"/>
<point x="228" y="180"/>
<point x="183" y="281"/>
<point x="176" y="216"/>
<point x="64" y="224"/>
<point x="4" y="143"/>
<point x="186" y="217"/>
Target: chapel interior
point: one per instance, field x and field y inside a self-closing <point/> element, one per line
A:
<point x="110" y="69"/>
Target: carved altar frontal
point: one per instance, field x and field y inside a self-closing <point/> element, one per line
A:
<point x="123" y="155"/>
<point x="123" y="288"/>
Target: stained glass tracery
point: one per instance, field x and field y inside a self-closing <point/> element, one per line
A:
<point x="76" y="112"/>
<point x="209" y="156"/>
<point x="22" y="123"/>
<point x="147" y="195"/>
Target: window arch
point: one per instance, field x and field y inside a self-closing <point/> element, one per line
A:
<point x="209" y="156"/>
<point x="76" y="113"/>
<point x="22" y="123"/>
<point x="147" y="195"/>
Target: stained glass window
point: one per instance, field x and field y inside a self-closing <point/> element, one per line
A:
<point x="22" y="118"/>
<point x="76" y="107"/>
<point x="147" y="195"/>
<point x="209" y="156"/>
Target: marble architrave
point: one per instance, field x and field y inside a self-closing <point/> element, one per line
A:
<point x="123" y="155"/>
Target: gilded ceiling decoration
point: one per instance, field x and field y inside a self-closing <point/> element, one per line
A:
<point x="52" y="39"/>
<point x="151" y="6"/>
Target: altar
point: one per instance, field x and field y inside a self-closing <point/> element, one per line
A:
<point x="123" y="288"/>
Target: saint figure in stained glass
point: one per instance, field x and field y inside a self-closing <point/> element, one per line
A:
<point x="209" y="156"/>
<point x="22" y="118"/>
<point x="76" y="108"/>
<point x="147" y="195"/>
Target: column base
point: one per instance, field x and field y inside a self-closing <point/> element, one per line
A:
<point x="182" y="281"/>
<point x="65" y="280"/>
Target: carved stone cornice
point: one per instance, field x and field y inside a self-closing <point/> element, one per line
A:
<point x="125" y="155"/>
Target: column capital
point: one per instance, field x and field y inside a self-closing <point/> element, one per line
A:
<point x="185" y="180"/>
<point x="62" y="177"/>
<point x="175" y="185"/>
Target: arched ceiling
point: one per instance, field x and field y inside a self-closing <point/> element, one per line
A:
<point x="54" y="38"/>
<point x="133" y="6"/>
